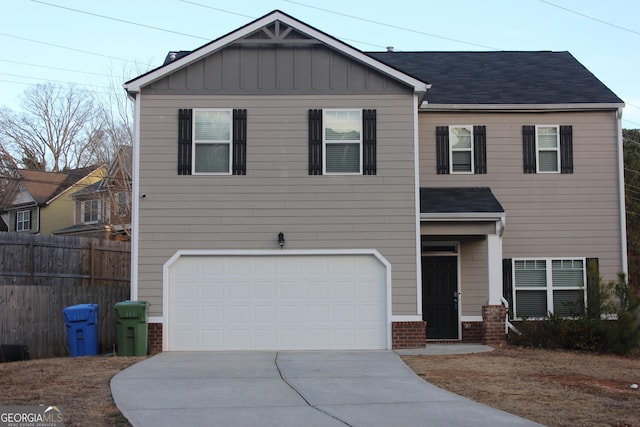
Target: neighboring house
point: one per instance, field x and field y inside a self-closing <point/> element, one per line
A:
<point x="41" y="203"/>
<point x="293" y="192"/>
<point x="103" y="209"/>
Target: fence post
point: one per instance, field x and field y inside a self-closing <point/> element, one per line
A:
<point x="32" y="264"/>
<point x="92" y="257"/>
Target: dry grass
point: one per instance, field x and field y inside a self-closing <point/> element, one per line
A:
<point x="80" y="385"/>
<point x="551" y="387"/>
<point x="554" y="388"/>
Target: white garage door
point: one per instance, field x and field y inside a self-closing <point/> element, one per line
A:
<point x="277" y="302"/>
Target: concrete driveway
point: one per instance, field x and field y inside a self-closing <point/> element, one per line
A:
<point x="292" y="388"/>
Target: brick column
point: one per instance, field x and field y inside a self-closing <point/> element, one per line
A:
<point x="493" y="317"/>
<point x="408" y="334"/>
<point x="155" y="338"/>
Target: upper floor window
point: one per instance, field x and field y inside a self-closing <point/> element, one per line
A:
<point x="91" y="211"/>
<point x="461" y="146"/>
<point x="23" y="220"/>
<point x="212" y="130"/>
<point x="461" y="149"/>
<point x="547" y="149"/>
<point x="342" y="140"/>
<point x="544" y="286"/>
<point x="122" y="203"/>
<point x="212" y="141"/>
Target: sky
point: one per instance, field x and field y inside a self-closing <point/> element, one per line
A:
<point x="93" y="43"/>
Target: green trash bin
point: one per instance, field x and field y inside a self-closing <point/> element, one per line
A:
<point x="132" y="328"/>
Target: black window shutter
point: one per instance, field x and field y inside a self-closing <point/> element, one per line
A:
<point x="369" y="151"/>
<point x="30" y="220"/>
<point x="184" y="141"/>
<point x="239" y="142"/>
<point x="507" y="283"/>
<point x="529" y="149"/>
<point x="566" y="149"/>
<point x="593" y="288"/>
<point x="442" y="149"/>
<point x="315" y="142"/>
<point x="480" y="149"/>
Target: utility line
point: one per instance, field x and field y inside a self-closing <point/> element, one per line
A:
<point x="121" y="20"/>
<point x="392" y="26"/>
<point x="589" y="17"/>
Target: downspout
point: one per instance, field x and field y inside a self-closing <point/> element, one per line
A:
<point x="135" y="197"/>
<point x="416" y="177"/>
<point x="623" y="213"/>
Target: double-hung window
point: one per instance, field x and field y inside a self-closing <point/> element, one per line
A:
<point x="342" y="141"/>
<point x="544" y="286"/>
<point x="91" y="211"/>
<point x="548" y="149"/>
<point x="122" y="203"/>
<point x="461" y="149"/>
<point x="212" y="133"/>
<point x="23" y="220"/>
<point x="461" y="146"/>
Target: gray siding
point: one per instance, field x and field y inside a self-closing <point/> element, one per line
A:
<point x="277" y="194"/>
<point x="473" y="280"/>
<point x="560" y="215"/>
<point x="246" y="69"/>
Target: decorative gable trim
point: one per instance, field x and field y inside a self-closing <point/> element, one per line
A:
<point x="288" y="27"/>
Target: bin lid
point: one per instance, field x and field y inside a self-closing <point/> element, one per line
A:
<point x="79" y="312"/>
<point x="131" y="309"/>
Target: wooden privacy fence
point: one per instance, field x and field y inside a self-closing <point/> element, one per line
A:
<point x="41" y="275"/>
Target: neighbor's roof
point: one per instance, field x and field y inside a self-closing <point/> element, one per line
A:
<point x="458" y="200"/>
<point x="501" y="77"/>
<point x="44" y="186"/>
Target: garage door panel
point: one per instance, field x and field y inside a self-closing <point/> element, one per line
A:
<point x="277" y="303"/>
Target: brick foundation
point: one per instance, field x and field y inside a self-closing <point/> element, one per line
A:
<point x="155" y="338"/>
<point x="408" y="334"/>
<point x="403" y="335"/>
<point x="473" y="332"/>
<point x="494" y="323"/>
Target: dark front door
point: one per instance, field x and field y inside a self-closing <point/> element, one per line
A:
<point x="440" y="296"/>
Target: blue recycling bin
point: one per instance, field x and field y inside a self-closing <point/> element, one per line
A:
<point x="82" y="329"/>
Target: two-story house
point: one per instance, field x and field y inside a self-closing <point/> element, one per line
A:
<point x="293" y="192"/>
<point x="103" y="209"/>
<point x="41" y="202"/>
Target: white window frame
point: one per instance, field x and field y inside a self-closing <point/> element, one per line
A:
<point x="84" y="210"/>
<point x="325" y="142"/>
<point x="549" y="282"/>
<point x="23" y="218"/>
<point x="122" y="203"/>
<point x="211" y="141"/>
<point x="556" y="150"/>
<point x="452" y="150"/>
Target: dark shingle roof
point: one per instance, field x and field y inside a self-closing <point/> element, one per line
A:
<point x="501" y="77"/>
<point x="458" y="200"/>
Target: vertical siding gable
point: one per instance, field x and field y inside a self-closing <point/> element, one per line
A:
<point x="231" y="68"/>
<point x="320" y="69"/>
<point x="284" y="72"/>
<point x="213" y="72"/>
<point x="273" y="69"/>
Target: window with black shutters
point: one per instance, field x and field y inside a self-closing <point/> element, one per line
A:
<point x="461" y="149"/>
<point x="342" y="142"/>
<point x="212" y="141"/>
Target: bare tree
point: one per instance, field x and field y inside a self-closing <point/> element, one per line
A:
<point x="56" y="131"/>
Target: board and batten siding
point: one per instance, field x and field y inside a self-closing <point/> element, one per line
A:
<point x="275" y="70"/>
<point x="277" y="194"/>
<point x="547" y="215"/>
